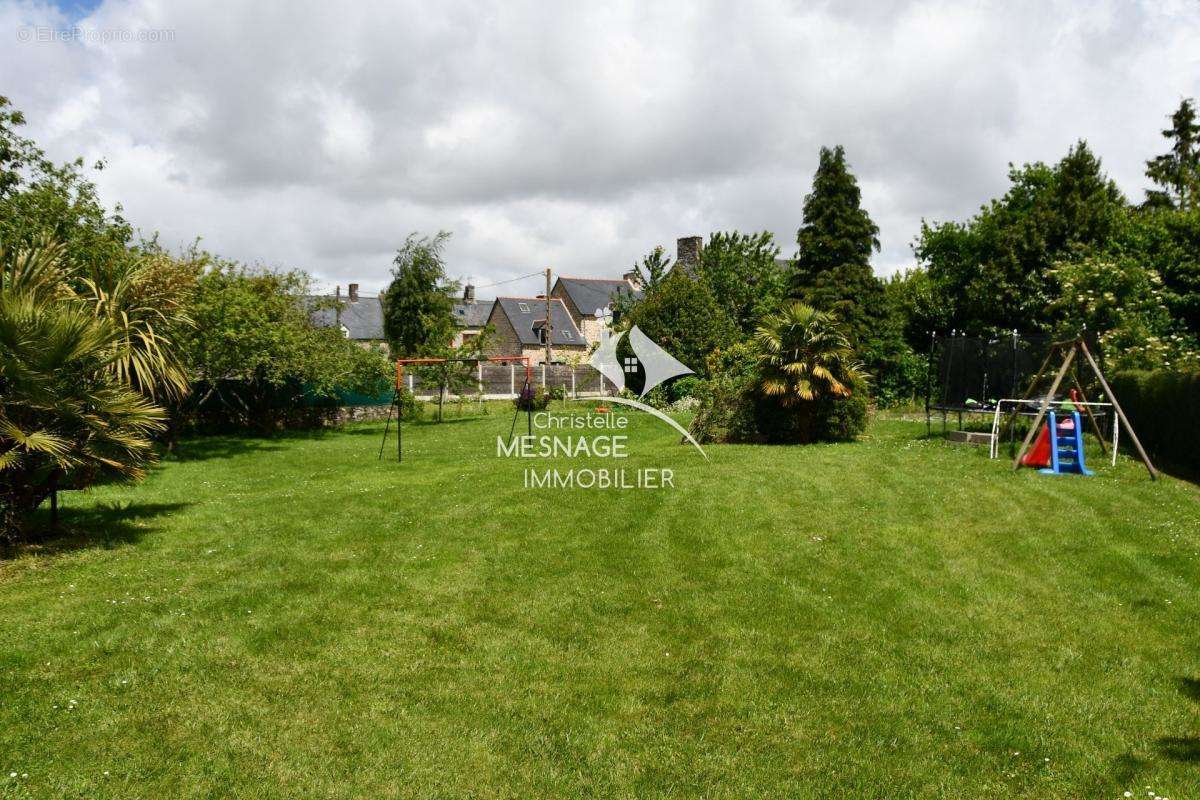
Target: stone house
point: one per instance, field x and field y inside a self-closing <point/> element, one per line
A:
<point x="519" y="325"/>
<point x="470" y="317"/>
<point x="359" y="317"/>
<point x="583" y="297"/>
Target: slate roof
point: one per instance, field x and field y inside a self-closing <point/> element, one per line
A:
<point x="588" y="294"/>
<point x="472" y="315"/>
<point x="364" y="319"/>
<point x="565" y="332"/>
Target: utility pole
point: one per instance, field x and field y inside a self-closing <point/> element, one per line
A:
<point x="549" y="323"/>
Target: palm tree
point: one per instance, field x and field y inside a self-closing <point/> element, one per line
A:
<point x="66" y="417"/>
<point x="805" y="357"/>
<point x="143" y="298"/>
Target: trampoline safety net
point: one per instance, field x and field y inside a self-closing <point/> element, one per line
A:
<point x="972" y="373"/>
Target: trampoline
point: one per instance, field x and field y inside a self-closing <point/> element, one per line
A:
<point x="972" y="374"/>
<point x="977" y="375"/>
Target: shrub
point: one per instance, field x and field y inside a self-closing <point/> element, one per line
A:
<point x="684" y="405"/>
<point x="532" y="398"/>
<point x="683" y="388"/>
<point x="810" y="386"/>
<point x="1164" y="408"/>
<point x="257" y="358"/>
<point x="408" y="407"/>
<point x="796" y="383"/>
<point x="682" y="316"/>
<point x="827" y="419"/>
<point x="726" y="412"/>
<point x="675" y="395"/>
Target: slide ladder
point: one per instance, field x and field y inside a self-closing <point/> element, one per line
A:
<point x="1066" y="446"/>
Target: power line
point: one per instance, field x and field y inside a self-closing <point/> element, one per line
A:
<point x="539" y="273"/>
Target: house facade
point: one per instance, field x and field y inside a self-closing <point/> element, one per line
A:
<point x="519" y="325"/>
<point x="470" y="317"/>
<point x="583" y="297"/>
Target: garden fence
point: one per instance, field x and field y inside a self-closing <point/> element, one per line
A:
<point x="504" y="381"/>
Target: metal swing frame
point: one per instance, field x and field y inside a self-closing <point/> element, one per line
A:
<point x="398" y="388"/>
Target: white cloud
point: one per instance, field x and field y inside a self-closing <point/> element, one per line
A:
<point x="317" y="136"/>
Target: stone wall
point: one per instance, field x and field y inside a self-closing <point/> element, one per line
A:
<point x="504" y="340"/>
<point x="587" y="324"/>
<point x="591" y="329"/>
<point x="359" y="414"/>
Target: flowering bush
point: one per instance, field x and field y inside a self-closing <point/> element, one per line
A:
<point x="532" y="398"/>
<point x="1123" y="303"/>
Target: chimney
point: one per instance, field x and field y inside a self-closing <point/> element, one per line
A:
<point x="353" y="292"/>
<point x="632" y="279"/>
<point x="687" y="253"/>
<point x="469" y="294"/>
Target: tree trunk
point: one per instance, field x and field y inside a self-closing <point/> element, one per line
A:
<point x="17" y="505"/>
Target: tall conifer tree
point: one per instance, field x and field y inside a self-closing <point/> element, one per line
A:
<point x="833" y="266"/>
<point x="1178" y="172"/>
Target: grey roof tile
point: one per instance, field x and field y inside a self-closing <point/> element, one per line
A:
<point x="472" y="315"/>
<point x="523" y="312"/>
<point x="363" y="319"/>
<point x="588" y="294"/>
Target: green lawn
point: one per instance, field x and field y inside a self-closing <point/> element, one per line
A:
<point x="892" y="618"/>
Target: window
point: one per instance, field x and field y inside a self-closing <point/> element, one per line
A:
<point x="567" y="335"/>
<point x="630" y="364"/>
<point x="523" y="308"/>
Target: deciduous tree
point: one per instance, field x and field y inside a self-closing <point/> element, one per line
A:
<point x="418" y="309"/>
<point x="744" y="274"/>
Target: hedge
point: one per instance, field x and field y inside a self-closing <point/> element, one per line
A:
<point x="1164" y="408"/>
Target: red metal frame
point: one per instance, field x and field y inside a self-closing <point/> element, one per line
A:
<point x="402" y="362"/>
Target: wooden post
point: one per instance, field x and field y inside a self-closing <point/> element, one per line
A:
<point x="549" y="328"/>
<point x="929" y="384"/>
<point x="1062" y="371"/>
<point x="1087" y="409"/>
<point x="1011" y="418"/>
<point x="1112" y="398"/>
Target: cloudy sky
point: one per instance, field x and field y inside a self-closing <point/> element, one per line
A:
<point x="575" y="136"/>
